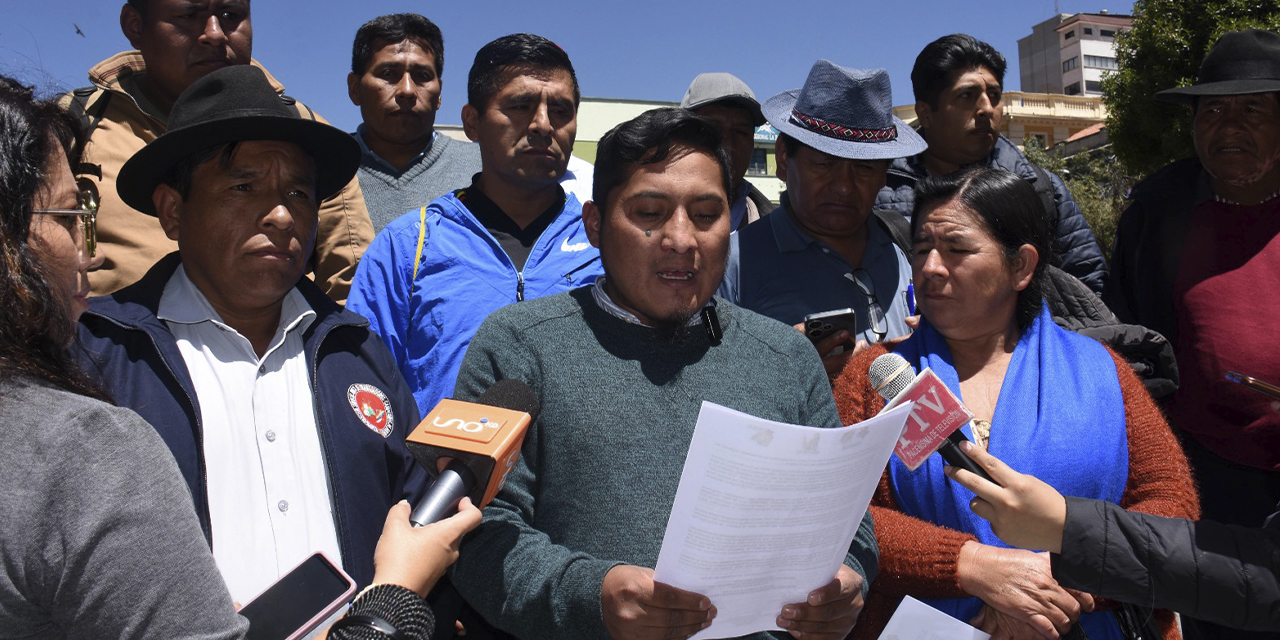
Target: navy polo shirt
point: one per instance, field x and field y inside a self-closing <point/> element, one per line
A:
<point x="777" y="270"/>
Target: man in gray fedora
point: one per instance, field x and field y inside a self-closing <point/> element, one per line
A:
<point x="285" y="414"/>
<point x="824" y="249"/>
<point x="1196" y="258"/>
<point x="729" y="103"/>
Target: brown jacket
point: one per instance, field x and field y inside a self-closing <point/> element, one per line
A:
<point x="133" y="241"/>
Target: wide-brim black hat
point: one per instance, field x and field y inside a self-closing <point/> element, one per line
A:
<point x="847" y="113"/>
<point x="1239" y="63"/>
<point x="236" y="104"/>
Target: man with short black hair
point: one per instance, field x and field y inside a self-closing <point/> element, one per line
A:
<point x="286" y="416"/>
<point x="433" y="274"/>
<point x="179" y="42"/>
<point x="622" y="367"/>
<point x="730" y="104"/>
<point x="397" y="66"/>
<point x="958" y="83"/>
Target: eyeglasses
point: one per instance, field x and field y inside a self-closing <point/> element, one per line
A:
<point x="86" y="213"/>
<point x="875" y="314"/>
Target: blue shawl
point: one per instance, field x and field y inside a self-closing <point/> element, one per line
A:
<point x="1060" y="417"/>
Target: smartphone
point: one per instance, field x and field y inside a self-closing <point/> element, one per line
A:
<point x="820" y="325"/>
<point x="1264" y="388"/>
<point x="297" y="603"/>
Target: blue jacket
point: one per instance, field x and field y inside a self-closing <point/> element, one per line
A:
<point x="133" y="355"/>
<point x="462" y="277"/>
<point x="1075" y="249"/>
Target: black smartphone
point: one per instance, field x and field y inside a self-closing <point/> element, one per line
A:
<point x="1265" y="388"/>
<point x="297" y="603"/>
<point x="820" y="325"/>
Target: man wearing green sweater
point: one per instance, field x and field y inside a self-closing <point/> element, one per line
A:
<point x="621" y="368"/>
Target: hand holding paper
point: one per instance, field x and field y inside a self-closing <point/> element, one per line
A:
<point x="637" y="608"/>
<point x="830" y="611"/>
<point x="765" y="515"/>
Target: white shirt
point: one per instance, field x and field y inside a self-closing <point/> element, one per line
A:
<point x="269" y="497"/>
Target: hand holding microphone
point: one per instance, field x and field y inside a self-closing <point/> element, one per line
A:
<point x="1023" y="510"/>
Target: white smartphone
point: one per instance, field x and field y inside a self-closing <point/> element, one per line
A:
<point x="297" y="603"/>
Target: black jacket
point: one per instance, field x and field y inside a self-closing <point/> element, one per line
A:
<point x="136" y="359"/>
<point x="1075" y="248"/>
<point x="1210" y="571"/>
<point x="1149" y="243"/>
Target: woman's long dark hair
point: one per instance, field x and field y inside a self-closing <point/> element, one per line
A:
<point x="35" y="319"/>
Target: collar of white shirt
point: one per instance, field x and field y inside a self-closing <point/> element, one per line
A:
<point x="183" y="303"/>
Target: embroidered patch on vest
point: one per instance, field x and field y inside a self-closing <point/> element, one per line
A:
<point x="372" y="407"/>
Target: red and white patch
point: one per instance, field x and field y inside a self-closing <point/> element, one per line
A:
<point x="372" y="407"/>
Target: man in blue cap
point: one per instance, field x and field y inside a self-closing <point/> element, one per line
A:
<point x="823" y="249"/>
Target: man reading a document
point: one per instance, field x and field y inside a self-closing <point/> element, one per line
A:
<point x="622" y="368"/>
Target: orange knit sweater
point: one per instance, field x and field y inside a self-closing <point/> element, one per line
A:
<point x="918" y="558"/>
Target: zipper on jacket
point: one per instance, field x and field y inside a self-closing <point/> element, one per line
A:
<point x="519" y="286"/>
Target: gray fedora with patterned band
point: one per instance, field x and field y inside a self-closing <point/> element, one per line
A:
<point x="845" y="112"/>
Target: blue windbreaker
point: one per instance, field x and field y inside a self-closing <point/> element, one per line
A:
<point x="463" y="275"/>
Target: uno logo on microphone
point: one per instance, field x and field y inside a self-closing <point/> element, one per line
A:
<point x="471" y="427"/>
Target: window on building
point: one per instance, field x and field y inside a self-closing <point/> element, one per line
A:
<point x="1069" y="35"/>
<point x="1107" y="33"/>
<point x="1044" y="139"/>
<point x="1072" y="89"/>
<point x="1088" y="31"/>
<point x="1092" y="86"/>
<point x="759" y="163"/>
<point x="1100" y="62"/>
<point x="1070" y="63"/>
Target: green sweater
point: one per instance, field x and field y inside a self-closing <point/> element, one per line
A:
<point x="599" y="469"/>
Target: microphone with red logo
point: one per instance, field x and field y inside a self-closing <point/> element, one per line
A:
<point x="481" y="441"/>
<point x="935" y="421"/>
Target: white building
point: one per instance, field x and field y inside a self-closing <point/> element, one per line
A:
<point x="1069" y="54"/>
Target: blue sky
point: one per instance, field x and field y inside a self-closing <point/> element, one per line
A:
<point x="643" y="50"/>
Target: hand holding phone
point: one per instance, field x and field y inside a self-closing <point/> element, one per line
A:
<point x="818" y="326"/>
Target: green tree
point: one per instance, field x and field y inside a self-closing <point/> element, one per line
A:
<point x="1096" y="181"/>
<point x="1164" y="49"/>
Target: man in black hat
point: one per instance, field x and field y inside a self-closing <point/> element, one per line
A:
<point x="825" y="249"/>
<point x="177" y="42"/>
<point x="729" y="103"/>
<point x="1196" y="259"/>
<point x="286" y="415"/>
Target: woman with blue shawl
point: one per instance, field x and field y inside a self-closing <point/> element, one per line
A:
<point x="1049" y="402"/>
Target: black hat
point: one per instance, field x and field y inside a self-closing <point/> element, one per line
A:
<point x="235" y="104"/>
<point x="1240" y="62"/>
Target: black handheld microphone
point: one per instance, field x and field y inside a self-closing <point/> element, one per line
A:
<point x="482" y="441"/>
<point x="890" y="375"/>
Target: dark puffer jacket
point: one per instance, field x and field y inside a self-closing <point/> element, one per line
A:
<point x="1210" y="571"/>
<point x="1075" y="249"/>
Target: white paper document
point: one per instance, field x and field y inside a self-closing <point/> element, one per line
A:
<point x="915" y="620"/>
<point x="766" y="511"/>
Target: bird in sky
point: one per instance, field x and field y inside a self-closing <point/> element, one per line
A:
<point x="78" y="31"/>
